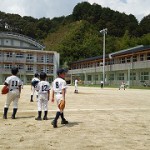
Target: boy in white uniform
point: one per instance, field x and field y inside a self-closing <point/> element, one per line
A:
<point x="14" y="84"/>
<point x="76" y="85"/>
<point x="59" y="90"/>
<point x="43" y="88"/>
<point x="122" y="86"/>
<point x="34" y="82"/>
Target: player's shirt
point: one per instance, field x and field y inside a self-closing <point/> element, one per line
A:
<point x="13" y="82"/>
<point x="59" y="84"/>
<point x="43" y="87"/>
<point x="76" y="82"/>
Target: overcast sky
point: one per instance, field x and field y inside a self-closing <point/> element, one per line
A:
<point x="57" y="8"/>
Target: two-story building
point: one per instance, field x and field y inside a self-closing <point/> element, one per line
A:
<point x="28" y="55"/>
<point x="130" y="65"/>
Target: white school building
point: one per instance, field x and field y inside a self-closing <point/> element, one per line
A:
<point x="129" y="65"/>
<point x="28" y="55"/>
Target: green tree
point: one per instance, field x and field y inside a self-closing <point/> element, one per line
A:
<point x="82" y="11"/>
<point x="145" y="25"/>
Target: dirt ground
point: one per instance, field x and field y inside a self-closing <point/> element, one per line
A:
<point x="99" y="119"/>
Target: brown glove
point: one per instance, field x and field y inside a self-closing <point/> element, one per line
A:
<point x="61" y="106"/>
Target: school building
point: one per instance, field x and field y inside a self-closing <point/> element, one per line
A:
<point x="130" y="65"/>
<point x="26" y="54"/>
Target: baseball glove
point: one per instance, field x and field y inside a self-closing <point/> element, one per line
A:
<point x="5" y="89"/>
<point x="61" y="105"/>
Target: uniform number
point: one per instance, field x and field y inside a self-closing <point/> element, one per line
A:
<point x="57" y="85"/>
<point x="14" y="83"/>
<point x="44" y="88"/>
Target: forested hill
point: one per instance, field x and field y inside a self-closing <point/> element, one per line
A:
<point x="77" y="36"/>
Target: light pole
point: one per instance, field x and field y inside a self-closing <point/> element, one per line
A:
<point x="104" y="32"/>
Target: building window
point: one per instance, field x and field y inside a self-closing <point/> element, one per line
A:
<point x="128" y="59"/>
<point x="7" y="66"/>
<point x="96" y="77"/>
<point x="122" y="60"/>
<point x="141" y="57"/>
<point x="42" y="58"/>
<point x="19" y="55"/>
<point x="121" y="76"/>
<point x="29" y="68"/>
<point x="47" y="70"/>
<point x="133" y="76"/>
<point x="144" y="76"/>
<point x="89" y="77"/>
<point x="51" y="58"/>
<point x="30" y="56"/>
<point x="98" y="63"/>
<point x="134" y="58"/>
<point x="48" y="59"/>
<point x="112" y="77"/>
<point x="112" y="61"/>
<point x="42" y="69"/>
<point x="20" y="66"/>
<point x="148" y="56"/>
<point x="51" y="69"/>
<point x="8" y="54"/>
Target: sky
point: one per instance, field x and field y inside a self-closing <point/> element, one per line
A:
<point x="57" y="8"/>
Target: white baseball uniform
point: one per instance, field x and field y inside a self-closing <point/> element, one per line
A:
<point x="13" y="95"/>
<point x="58" y="85"/>
<point x="43" y="88"/>
<point x="76" y="84"/>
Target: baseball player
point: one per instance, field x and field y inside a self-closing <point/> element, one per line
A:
<point x="122" y="86"/>
<point x="102" y="84"/>
<point x="14" y="84"/>
<point x="59" y="90"/>
<point x="76" y="85"/>
<point x="34" y="82"/>
<point x="43" y="89"/>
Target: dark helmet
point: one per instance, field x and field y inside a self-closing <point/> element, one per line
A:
<point x="60" y="71"/>
<point x="36" y="75"/>
<point x="43" y="75"/>
<point x="14" y="70"/>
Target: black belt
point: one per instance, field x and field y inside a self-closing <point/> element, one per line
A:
<point x="58" y="92"/>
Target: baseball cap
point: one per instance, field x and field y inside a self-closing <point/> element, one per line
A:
<point x="14" y="70"/>
<point x="43" y="75"/>
<point x="61" y="70"/>
<point x="36" y="75"/>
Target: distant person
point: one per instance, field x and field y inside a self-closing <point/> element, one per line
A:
<point x="122" y="86"/>
<point x="14" y="84"/>
<point x="34" y="82"/>
<point x="102" y="84"/>
<point x="76" y="86"/>
<point x="43" y="89"/>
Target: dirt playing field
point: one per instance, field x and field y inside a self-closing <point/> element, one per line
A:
<point x="99" y="119"/>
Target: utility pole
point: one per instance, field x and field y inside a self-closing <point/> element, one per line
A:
<point x="104" y="32"/>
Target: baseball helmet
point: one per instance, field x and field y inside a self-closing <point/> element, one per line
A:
<point x="61" y="70"/>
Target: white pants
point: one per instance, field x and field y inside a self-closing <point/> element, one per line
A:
<point x="42" y="102"/>
<point x="59" y="97"/>
<point x="12" y="96"/>
<point x="76" y="87"/>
